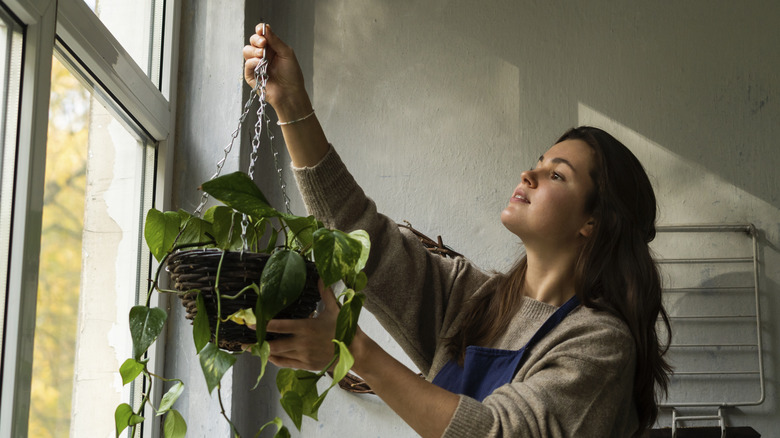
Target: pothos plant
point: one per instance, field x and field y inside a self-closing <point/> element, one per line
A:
<point x="246" y="221"/>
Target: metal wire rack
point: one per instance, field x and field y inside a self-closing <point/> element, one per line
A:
<point x="711" y="292"/>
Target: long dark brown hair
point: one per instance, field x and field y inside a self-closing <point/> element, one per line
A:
<point x="615" y="272"/>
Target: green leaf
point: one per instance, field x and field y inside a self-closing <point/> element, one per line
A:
<point x="293" y="405"/>
<point x="344" y="364"/>
<point x="238" y="191"/>
<point x="281" y="430"/>
<point x="227" y="238"/>
<point x="130" y="369"/>
<point x="160" y="231"/>
<point x="285" y="380"/>
<point x="346" y="322"/>
<point x="195" y="229"/>
<point x="281" y="283"/>
<point x="263" y="351"/>
<point x="243" y="317"/>
<point x="145" y="325"/>
<point x="362" y="237"/>
<point x="359" y="282"/>
<point x="170" y="398"/>
<point x="175" y="426"/>
<point x="259" y="227"/>
<point x="308" y="384"/>
<point x="305" y="401"/>
<point x="201" y="333"/>
<point x="214" y="363"/>
<point x="301" y="228"/>
<point x="208" y="216"/>
<point x="336" y="254"/>
<point x="272" y="240"/>
<point x="124" y="417"/>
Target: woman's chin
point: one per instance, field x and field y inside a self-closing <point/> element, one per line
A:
<point x="511" y="224"/>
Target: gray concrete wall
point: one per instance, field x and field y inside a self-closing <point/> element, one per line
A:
<point x="210" y="96"/>
<point x="438" y="106"/>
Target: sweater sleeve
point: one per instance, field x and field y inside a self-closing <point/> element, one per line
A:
<point x="580" y="386"/>
<point x="414" y="295"/>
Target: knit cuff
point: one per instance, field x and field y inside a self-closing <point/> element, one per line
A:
<point x="326" y="185"/>
<point x="470" y="416"/>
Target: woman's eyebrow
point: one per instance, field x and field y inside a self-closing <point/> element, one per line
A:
<point x="559" y="160"/>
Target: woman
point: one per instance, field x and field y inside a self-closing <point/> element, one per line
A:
<point x="563" y="345"/>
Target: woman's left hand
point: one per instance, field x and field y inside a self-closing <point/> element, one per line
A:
<point x="309" y="345"/>
<point x="423" y="405"/>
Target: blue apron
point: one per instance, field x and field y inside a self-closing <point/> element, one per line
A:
<point x="485" y="369"/>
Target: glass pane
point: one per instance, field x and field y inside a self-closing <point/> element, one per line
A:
<point x="98" y="183"/>
<point x="11" y="40"/>
<point x="137" y="25"/>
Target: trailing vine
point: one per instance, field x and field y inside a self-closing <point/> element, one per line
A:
<point x="338" y="256"/>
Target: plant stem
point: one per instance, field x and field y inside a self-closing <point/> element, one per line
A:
<point x="239" y="293"/>
<point x="219" y="298"/>
<point x="153" y="286"/>
<point x="164" y="379"/>
<point x="144" y="400"/>
<point x="224" y="414"/>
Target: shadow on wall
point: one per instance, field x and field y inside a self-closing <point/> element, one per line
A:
<point x="700" y="78"/>
<point x="688" y="192"/>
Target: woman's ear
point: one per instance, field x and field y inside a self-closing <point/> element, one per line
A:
<point x="588" y="228"/>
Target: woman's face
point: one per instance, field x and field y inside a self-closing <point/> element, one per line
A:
<point x="548" y="206"/>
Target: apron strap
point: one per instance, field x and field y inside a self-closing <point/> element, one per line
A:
<point x="548" y="325"/>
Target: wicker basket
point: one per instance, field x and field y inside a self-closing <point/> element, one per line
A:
<point x="196" y="269"/>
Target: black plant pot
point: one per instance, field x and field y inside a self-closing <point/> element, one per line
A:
<point x="197" y="269"/>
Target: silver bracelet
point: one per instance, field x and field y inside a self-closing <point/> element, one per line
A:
<point x="280" y="123"/>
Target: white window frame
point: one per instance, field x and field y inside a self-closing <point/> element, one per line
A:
<point x="74" y="26"/>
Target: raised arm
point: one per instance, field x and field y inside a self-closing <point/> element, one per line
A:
<point x="286" y="92"/>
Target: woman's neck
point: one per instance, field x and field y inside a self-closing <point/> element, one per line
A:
<point x="549" y="279"/>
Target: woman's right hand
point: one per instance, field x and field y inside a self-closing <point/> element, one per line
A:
<point x="285" y="89"/>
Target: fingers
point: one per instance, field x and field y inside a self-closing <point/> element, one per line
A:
<point x="251" y="51"/>
<point x="269" y="38"/>
<point x="301" y="352"/>
<point x="329" y="301"/>
<point x="290" y="326"/>
<point x="286" y="362"/>
<point x="284" y="346"/>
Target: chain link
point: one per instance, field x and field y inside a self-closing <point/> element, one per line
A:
<point x="275" y="152"/>
<point x="259" y="90"/>
<point x="261" y="80"/>
<point x="247" y="106"/>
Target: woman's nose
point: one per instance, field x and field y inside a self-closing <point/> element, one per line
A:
<point x="529" y="178"/>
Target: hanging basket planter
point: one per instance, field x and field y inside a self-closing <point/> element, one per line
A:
<point x="245" y="248"/>
<point x="196" y="270"/>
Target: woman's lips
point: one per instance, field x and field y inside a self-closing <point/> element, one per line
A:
<point x="519" y="196"/>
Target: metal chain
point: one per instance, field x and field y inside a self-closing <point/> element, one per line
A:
<point x="259" y="90"/>
<point x="282" y="185"/>
<point x="261" y="80"/>
<point x="247" y="106"/>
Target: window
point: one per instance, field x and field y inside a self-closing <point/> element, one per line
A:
<point x="10" y="82"/>
<point x="137" y="25"/>
<point x="98" y="178"/>
<point x="79" y="173"/>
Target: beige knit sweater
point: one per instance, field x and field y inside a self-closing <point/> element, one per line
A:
<point x="576" y="382"/>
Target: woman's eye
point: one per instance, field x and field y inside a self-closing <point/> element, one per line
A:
<point x="556" y="175"/>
